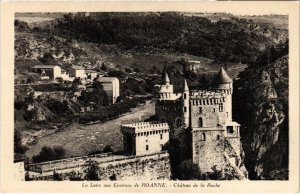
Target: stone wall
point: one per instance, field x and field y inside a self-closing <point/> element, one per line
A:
<point x="170" y="112"/>
<point x="235" y="144"/>
<point x="148" y="167"/>
<point x="208" y="149"/>
<point x="210" y="114"/>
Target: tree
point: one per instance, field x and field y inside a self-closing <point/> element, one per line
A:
<point x="74" y="176"/>
<point x="91" y="170"/>
<point x="18" y="147"/>
<point x="48" y="154"/>
<point x="107" y="149"/>
<point x="103" y="67"/>
<point x="189" y="170"/>
<point x="56" y="176"/>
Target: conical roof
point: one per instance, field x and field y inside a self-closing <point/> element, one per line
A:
<point x="223" y="77"/>
<point x="164" y="71"/>
<point x="167" y="80"/>
<point x="185" y="87"/>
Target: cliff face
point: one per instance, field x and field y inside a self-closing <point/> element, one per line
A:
<point x="261" y="100"/>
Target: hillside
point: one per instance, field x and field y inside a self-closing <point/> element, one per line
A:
<point x="261" y="107"/>
<point x="228" y="40"/>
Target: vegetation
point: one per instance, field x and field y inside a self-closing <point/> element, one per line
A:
<point x="194" y="35"/>
<point x="56" y="176"/>
<point x="18" y="147"/>
<point x="264" y="119"/>
<point x="91" y="170"/>
<point x="108" y="113"/>
<point x="189" y="171"/>
<point x="48" y="154"/>
<point x="97" y="96"/>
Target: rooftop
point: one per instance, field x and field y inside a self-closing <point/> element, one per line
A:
<point x="77" y="67"/>
<point x="206" y="94"/>
<point x="44" y="66"/>
<point x="107" y="79"/>
<point x="223" y="77"/>
<point x="145" y="126"/>
<point x="90" y="71"/>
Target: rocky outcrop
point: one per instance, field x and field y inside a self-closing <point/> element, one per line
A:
<point x="262" y="104"/>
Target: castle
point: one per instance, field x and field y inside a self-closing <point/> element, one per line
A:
<point x="204" y="116"/>
<point x="199" y="121"/>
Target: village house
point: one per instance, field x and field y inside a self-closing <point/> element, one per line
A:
<point x="53" y="71"/>
<point x="77" y="71"/>
<point x="91" y="74"/>
<point x="111" y="86"/>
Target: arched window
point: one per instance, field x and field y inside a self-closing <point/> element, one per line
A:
<point x="178" y="122"/>
<point x="218" y="137"/>
<point x="200" y="122"/>
<point x="203" y="138"/>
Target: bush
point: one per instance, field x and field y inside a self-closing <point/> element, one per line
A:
<point x="91" y="170"/>
<point x="18" y="147"/>
<point x="189" y="171"/>
<point x="48" y="154"/>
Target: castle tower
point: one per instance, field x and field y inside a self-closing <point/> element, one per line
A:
<point x="224" y="84"/>
<point x="185" y="103"/>
<point x="164" y="91"/>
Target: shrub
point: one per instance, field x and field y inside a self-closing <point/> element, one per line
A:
<point x="48" y="154"/>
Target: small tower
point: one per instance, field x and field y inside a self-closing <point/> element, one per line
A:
<point x="185" y="103"/>
<point x="224" y="84"/>
<point x="164" y="91"/>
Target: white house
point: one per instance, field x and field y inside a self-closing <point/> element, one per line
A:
<point x="91" y="74"/>
<point x="53" y="71"/>
<point x="111" y="86"/>
<point x="77" y="71"/>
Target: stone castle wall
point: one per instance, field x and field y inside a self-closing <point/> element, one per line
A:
<point x="170" y="112"/>
<point x="210" y="114"/>
<point x="152" y="168"/>
<point x="208" y="149"/>
<point x="148" y="167"/>
<point x="235" y="143"/>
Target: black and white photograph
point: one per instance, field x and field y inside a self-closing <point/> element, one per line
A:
<point x="166" y="99"/>
<point x="151" y="95"/>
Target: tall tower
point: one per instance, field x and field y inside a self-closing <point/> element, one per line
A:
<point x="224" y="84"/>
<point x="185" y="103"/>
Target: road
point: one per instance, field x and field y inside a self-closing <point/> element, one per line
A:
<point x="80" y="140"/>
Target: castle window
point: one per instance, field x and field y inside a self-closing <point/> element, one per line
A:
<point x="200" y="110"/>
<point x="214" y="110"/>
<point x="203" y="138"/>
<point x="161" y="136"/>
<point x="218" y="137"/>
<point x="147" y="147"/>
<point x="178" y="122"/>
<point x="200" y="122"/>
<point x="227" y="114"/>
<point x="184" y="96"/>
<point x="184" y="109"/>
<point x="229" y="129"/>
<point x="221" y="107"/>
